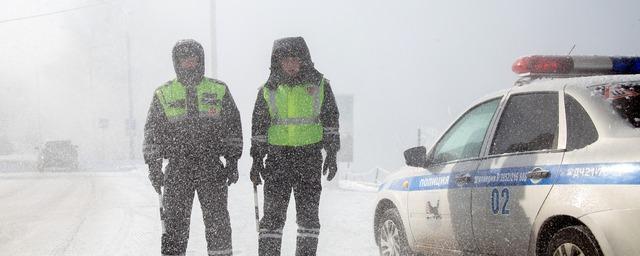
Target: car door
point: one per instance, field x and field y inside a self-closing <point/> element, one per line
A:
<point x="514" y="179"/>
<point x="439" y="202"/>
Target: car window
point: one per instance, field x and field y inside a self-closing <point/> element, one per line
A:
<point x="529" y="123"/>
<point x="464" y="139"/>
<point x="580" y="128"/>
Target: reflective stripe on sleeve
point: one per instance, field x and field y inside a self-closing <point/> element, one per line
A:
<point x="331" y="131"/>
<point x="235" y="142"/>
<point x="259" y="139"/>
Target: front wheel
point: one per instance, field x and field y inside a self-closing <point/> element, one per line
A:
<point x="573" y="241"/>
<point x="393" y="239"/>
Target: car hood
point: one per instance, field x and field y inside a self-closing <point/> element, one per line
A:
<point x="400" y="174"/>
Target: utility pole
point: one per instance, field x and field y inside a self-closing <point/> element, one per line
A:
<point x="214" y="45"/>
<point x="130" y="121"/>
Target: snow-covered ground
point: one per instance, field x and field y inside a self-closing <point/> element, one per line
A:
<point x="116" y="213"/>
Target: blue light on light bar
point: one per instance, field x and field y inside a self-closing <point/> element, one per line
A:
<point x="625" y="65"/>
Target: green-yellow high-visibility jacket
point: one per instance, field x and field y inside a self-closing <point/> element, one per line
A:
<point x="173" y="99"/>
<point x="301" y="116"/>
<point x="295" y="114"/>
<point x="200" y="122"/>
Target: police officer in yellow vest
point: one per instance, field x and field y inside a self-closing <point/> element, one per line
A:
<point x="194" y="123"/>
<point x="294" y="118"/>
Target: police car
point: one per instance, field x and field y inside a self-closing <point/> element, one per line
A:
<point x="550" y="166"/>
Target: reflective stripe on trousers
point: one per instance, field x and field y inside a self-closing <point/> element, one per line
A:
<point x="266" y="233"/>
<point x="182" y="180"/>
<point x="298" y="173"/>
<point x="221" y="252"/>
<point x="308" y="232"/>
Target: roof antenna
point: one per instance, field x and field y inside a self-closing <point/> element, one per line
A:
<point x="570" y="51"/>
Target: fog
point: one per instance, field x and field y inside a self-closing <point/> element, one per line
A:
<point x="86" y="71"/>
<point x="66" y="65"/>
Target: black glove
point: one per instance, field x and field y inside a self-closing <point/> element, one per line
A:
<point x="232" y="171"/>
<point x="156" y="176"/>
<point x="256" y="169"/>
<point x="330" y="164"/>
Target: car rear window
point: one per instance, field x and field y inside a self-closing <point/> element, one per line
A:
<point x="624" y="99"/>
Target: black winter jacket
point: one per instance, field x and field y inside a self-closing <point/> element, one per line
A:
<point x="193" y="138"/>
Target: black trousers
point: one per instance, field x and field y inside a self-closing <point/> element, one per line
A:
<point x="287" y="171"/>
<point x="182" y="180"/>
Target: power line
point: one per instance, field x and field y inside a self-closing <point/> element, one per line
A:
<point x="51" y="13"/>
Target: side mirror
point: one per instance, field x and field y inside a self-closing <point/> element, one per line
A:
<point x="416" y="157"/>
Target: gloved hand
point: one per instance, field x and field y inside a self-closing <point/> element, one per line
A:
<point x="256" y="169"/>
<point x="330" y="164"/>
<point x="156" y="176"/>
<point x="232" y="171"/>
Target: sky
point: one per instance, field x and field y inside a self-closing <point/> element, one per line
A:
<point x="409" y="65"/>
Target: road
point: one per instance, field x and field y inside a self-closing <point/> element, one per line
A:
<point x="116" y="213"/>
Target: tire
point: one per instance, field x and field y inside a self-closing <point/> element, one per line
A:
<point x="392" y="236"/>
<point x="573" y="241"/>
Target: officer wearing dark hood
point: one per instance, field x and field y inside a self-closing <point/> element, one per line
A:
<point x="193" y="122"/>
<point x="294" y="118"/>
<point x="192" y="55"/>
<point x="294" y="47"/>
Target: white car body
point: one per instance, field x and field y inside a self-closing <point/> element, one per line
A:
<point x="487" y="205"/>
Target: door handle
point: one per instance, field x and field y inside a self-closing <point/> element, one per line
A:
<point x="538" y="173"/>
<point x="463" y="179"/>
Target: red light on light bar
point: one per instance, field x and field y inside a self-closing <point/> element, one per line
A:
<point x="543" y="65"/>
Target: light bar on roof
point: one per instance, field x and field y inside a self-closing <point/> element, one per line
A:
<point x="550" y="65"/>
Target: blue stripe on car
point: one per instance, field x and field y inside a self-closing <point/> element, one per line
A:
<point x="605" y="173"/>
